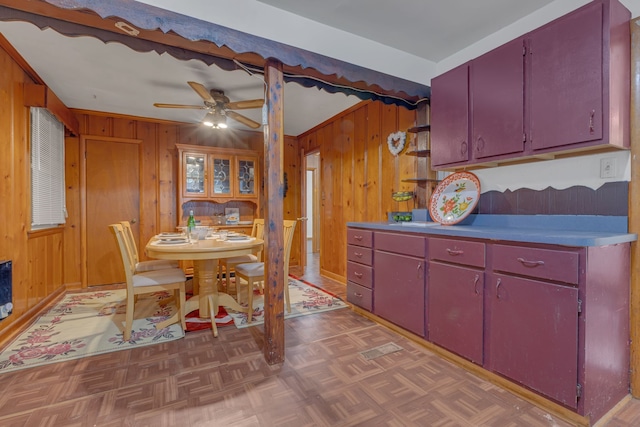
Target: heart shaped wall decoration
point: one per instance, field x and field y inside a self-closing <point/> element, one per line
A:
<point x="396" y="142"/>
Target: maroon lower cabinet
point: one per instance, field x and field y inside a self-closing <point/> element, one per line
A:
<point x="553" y="319"/>
<point x="557" y="322"/>
<point x="399" y="282"/>
<point x="360" y="296"/>
<point x="455" y="296"/>
<point x="359" y="268"/>
<point x="532" y="335"/>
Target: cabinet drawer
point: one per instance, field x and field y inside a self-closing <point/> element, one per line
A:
<point x="401" y="244"/>
<point x="360" y="296"/>
<point x="548" y="264"/>
<point x="360" y="274"/>
<point x="360" y="237"/>
<point x="359" y="254"/>
<point x="457" y="251"/>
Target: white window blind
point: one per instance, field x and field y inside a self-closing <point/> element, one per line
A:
<point x="47" y="170"/>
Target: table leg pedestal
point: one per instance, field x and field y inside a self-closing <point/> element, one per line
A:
<point x="209" y="299"/>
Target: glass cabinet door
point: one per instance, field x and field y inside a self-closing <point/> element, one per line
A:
<point x="194" y="169"/>
<point x="246" y="173"/>
<point x="222" y="176"/>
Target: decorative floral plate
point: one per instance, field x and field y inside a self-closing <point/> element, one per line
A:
<point x="454" y="198"/>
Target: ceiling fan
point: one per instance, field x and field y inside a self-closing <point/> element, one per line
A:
<point x="219" y="107"/>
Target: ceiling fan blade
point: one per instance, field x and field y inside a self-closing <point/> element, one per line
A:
<point x="242" y="119"/>
<point x="198" y="107"/>
<point x="243" y="105"/>
<point x="202" y="91"/>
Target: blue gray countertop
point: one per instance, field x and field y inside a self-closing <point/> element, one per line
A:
<point x="565" y="230"/>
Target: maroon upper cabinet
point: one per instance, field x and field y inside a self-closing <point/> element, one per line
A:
<point x="497" y="101"/>
<point x="477" y="109"/>
<point x="450" y="117"/>
<point x="574" y="63"/>
<point x="564" y="87"/>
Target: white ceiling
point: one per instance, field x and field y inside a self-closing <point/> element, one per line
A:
<point x="87" y="74"/>
<point x="90" y="75"/>
<point x="430" y="29"/>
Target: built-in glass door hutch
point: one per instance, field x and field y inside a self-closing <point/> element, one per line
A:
<point x="214" y="181"/>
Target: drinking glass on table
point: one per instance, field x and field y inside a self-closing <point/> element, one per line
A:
<point x="222" y="234"/>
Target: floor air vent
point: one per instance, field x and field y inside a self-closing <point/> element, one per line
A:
<point x="379" y="351"/>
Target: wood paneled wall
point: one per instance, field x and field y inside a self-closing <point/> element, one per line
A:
<point x="292" y="207"/>
<point x="39" y="270"/>
<point x="45" y="263"/>
<point x="358" y="173"/>
<point x="159" y="166"/>
<point x="358" y="176"/>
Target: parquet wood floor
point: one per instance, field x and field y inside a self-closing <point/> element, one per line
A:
<point x="224" y="381"/>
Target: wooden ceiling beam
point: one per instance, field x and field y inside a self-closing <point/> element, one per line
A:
<point x="90" y="23"/>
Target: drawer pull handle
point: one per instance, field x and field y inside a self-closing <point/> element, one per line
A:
<point x="475" y="284"/>
<point x="357" y="294"/>
<point x="455" y="252"/>
<point x="357" y="237"/>
<point x="498" y="289"/>
<point x="528" y="263"/>
<point x="418" y="270"/>
<point x="358" y="254"/>
<point x="357" y="274"/>
<point x="591" y="124"/>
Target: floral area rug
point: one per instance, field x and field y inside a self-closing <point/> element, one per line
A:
<point x="305" y="299"/>
<point x="88" y="323"/>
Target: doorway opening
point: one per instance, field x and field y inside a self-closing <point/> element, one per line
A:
<point x="312" y="212"/>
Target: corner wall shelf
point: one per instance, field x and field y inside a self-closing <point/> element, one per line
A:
<point x="421" y="128"/>
<point x="419" y="153"/>
<point x="420" y="180"/>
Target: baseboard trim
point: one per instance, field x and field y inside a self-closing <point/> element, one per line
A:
<point x="332" y="276"/>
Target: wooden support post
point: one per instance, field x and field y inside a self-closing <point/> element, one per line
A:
<point x="634" y="208"/>
<point x="274" y="226"/>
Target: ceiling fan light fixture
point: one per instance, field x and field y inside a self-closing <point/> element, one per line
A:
<point x="215" y="120"/>
<point x="219" y="107"/>
<point x="208" y="120"/>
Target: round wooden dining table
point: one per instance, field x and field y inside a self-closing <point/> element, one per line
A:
<point x="205" y="255"/>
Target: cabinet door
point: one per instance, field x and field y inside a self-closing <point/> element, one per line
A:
<point x="532" y="335"/>
<point x="194" y="170"/>
<point x="246" y="171"/>
<point x="497" y="101"/>
<point x="399" y="290"/>
<point x="222" y="180"/>
<point x="450" y="117"/>
<point x="455" y="296"/>
<point x="566" y="80"/>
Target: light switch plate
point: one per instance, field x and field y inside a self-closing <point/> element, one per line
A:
<point x="607" y="167"/>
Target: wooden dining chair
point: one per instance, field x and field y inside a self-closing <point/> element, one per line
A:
<point x="229" y="264"/>
<point x="140" y="266"/>
<point x="253" y="272"/>
<point x="169" y="279"/>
